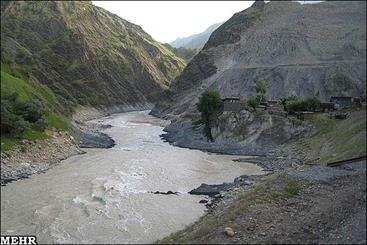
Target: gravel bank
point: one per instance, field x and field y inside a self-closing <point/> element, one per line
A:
<point x="303" y="206"/>
<point x="30" y="157"/>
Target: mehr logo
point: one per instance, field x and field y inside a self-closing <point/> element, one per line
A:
<point x="14" y="240"/>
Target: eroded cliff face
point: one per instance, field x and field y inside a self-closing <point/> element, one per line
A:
<point x="241" y="133"/>
<point x="84" y="54"/>
<point x="296" y="48"/>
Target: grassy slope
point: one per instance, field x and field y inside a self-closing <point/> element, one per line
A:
<point x="335" y="139"/>
<point x="273" y="187"/>
<point x="27" y="90"/>
<point x="55" y="65"/>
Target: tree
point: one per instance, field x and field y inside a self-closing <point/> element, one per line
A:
<point x="260" y="88"/>
<point x="210" y="105"/>
<point x="260" y="85"/>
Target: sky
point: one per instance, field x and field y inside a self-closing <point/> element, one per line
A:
<point x="167" y="20"/>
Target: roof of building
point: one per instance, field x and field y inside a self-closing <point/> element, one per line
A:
<point x="231" y="98"/>
<point x="341" y="97"/>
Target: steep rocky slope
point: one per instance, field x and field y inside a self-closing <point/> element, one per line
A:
<point x="296" y="48"/>
<point x="83" y="55"/>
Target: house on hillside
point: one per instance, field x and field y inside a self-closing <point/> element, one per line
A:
<point x="273" y="102"/>
<point x="233" y="104"/>
<point x="305" y="115"/>
<point x="327" y="106"/>
<point x="342" y="102"/>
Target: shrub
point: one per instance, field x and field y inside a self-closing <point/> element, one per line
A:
<point x="260" y="85"/>
<point x="18" y="116"/>
<point x="312" y="103"/>
<point x="11" y="123"/>
<point x="284" y="101"/>
<point x="308" y="104"/>
<point x="40" y="124"/>
<point x="31" y="111"/>
<point x="253" y="102"/>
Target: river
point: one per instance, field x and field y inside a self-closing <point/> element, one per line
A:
<point x="104" y="196"/>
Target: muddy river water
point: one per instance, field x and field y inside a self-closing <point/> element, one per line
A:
<point x="104" y="196"/>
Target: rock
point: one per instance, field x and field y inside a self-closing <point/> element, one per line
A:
<point x="165" y="193"/>
<point x="25" y="164"/>
<point x="203" y="201"/>
<point x="229" y="231"/>
<point x="211" y="190"/>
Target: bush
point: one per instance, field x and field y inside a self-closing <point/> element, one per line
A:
<point x="312" y="103"/>
<point x="40" y="124"/>
<point x="17" y="116"/>
<point x="308" y="104"/>
<point x="260" y="85"/>
<point x="253" y="102"/>
<point x="31" y="111"/>
<point x="284" y="101"/>
<point x="11" y="123"/>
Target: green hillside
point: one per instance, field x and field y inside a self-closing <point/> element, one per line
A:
<point x="59" y="55"/>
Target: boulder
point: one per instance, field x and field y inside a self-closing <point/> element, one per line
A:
<point x="211" y="190"/>
<point x="229" y="231"/>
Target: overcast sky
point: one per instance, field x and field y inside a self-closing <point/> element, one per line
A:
<point x="167" y="20"/>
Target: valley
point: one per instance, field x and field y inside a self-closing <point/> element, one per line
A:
<point x="253" y="131"/>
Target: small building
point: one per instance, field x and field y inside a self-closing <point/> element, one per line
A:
<point x="231" y="99"/>
<point x="233" y="104"/>
<point x="341" y="102"/>
<point x="305" y="115"/>
<point x="357" y="101"/>
<point x="327" y="106"/>
<point x="272" y="102"/>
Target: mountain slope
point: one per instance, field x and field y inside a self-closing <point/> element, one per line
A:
<point x="85" y="52"/>
<point x="195" y="41"/>
<point x="297" y="48"/>
<point x="66" y="54"/>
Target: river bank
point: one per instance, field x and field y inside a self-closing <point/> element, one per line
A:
<point x="32" y="157"/>
<point x="300" y="201"/>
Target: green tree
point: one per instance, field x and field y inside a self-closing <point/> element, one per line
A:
<point x="260" y="88"/>
<point x="211" y="106"/>
<point x="260" y="85"/>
